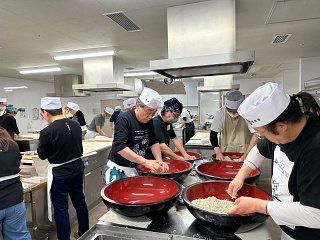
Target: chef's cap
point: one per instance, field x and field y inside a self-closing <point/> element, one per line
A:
<point x="109" y="110"/>
<point x="73" y="106"/>
<point x="50" y="103"/>
<point x="264" y="105"/>
<point x="128" y="103"/>
<point x="150" y="98"/>
<point x="233" y="99"/>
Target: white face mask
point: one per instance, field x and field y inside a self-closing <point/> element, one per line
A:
<point x="69" y="115"/>
<point x="2" y="108"/>
<point x="233" y="115"/>
<point x="173" y="119"/>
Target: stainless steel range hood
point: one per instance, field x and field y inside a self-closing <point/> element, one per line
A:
<point x="103" y="74"/>
<point x="201" y="42"/>
<point x="207" y="65"/>
<point x="63" y="86"/>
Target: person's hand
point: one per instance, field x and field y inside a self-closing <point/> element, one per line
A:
<point x="247" y="205"/>
<point x="243" y="157"/>
<point x="234" y="186"/>
<point x="163" y="166"/>
<point x="219" y="156"/>
<point x="188" y="157"/>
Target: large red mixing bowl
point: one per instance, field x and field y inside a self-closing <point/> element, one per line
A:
<point x="220" y="221"/>
<point x="142" y="195"/>
<point x="231" y="155"/>
<point x="197" y="155"/>
<point x="178" y="170"/>
<point x="222" y="170"/>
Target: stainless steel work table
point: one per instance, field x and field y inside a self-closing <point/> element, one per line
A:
<point x="177" y="223"/>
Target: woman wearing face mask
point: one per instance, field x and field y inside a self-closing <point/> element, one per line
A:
<point x="236" y="134"/>
<point x="164" y="130"/>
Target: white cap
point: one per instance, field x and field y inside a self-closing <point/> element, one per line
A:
<point x="3" y="100"/>
<point x="50" y="103"/>
<point x="150" y="98"/>
<point x="117" y="107"/>
<point x="73" y="106"/>
<point x="233" y="99"/>
<point x="128" y="103"/>
<point x="109" y="110"/>
<point x="264" y="105"/>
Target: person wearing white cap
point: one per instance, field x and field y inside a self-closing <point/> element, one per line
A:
<point x="133" y="136"/>
<point x="3" y="104"/>
<point x="129" y="104"/>
<point x="188" y="123"/>
<point x="98" y="121"/>
<point x="236" y="135"/>
<point x="61" y="143"/>
<point x="72" y="111"/>
<point x="289" y="128"/>
<point x="114" y="117"/>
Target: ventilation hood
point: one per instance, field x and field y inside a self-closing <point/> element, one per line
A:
<point x="207" y="65"/>
<point x="63" y="86"/>
<point x="201" y="42"/>
<point x="103" y="74"/>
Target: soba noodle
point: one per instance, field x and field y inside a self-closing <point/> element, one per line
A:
<point x="213" y="204"/>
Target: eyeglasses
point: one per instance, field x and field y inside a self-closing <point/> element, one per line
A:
<point x="149" y="113"/>
<point x="260" y="135"/>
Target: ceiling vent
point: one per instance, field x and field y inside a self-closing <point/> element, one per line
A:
<point x="280" y="38"/>
<point x="124" y="21"/>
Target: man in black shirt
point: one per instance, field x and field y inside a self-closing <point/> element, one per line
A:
<point x="73" y="112"/>
<point x="164" y="130"/>
<point x="133" y="136"/>
<point x="114" y="117"/>
<point x="61" y="143"/>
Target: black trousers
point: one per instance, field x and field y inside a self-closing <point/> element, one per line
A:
<point x="189" y="131"/>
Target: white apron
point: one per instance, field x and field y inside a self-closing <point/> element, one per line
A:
<point x="282" y="168"/>
<point x="49" y="184"/>
<point x="90" y="134"/>
<point x="9" y="177"/>
<point x="130" y="172"/>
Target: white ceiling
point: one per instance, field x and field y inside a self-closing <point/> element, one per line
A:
<point x="32" y="31"/>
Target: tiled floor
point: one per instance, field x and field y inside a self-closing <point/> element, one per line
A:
<point x="263" y="183"/>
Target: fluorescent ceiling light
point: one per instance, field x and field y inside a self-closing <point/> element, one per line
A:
<point x="85" y="53"/>
<point x="18" y="87"/>
<point x="40" y="70"/>
<point x="8" y="90"/>
<point x="134" y="74"/>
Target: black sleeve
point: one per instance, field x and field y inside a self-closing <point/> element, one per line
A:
<point x="172" y="133"/>
<point x="158" y="131"/>
<point x="13" y="124"/>
<point x="214" y="139"/>
<point x="112" y="117"/>
<point x="81" y="118"/>
<point x="152" y="138"/>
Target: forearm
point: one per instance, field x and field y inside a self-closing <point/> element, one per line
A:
<point x="100" y="131"/>
<point x="177" y="143"/>
<point x="294" y="213"/>
<point x="253" y="142"/>
<point x="156" y="151"/>
<point x="167" y="152"/>
<point x="128" y="154"/>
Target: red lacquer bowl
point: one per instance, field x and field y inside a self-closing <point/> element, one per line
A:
<point x="142" y="195"/>
<point x="220" y="221"/>
<point x="178" y="170"/>
<point x="222" y="170"/>
<point x="197" y="155"/>
<point x="231" y="155"/>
